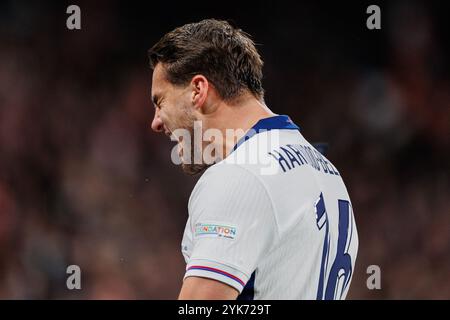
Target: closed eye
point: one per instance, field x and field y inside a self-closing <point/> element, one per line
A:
<point x="157" y="101"/>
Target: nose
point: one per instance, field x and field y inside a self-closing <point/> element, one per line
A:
<point x="157" y="124"/>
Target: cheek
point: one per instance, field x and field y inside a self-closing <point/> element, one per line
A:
<point x="169" y="118"/>
<point x="179" y="117"/>
<point x="167" y="114"/>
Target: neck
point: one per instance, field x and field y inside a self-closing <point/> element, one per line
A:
<point x="239" y="116"/>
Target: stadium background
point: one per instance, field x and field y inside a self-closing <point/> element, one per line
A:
<point x="84" y="181"/>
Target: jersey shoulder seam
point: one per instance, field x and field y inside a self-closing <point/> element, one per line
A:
<point x="274" y="211"/>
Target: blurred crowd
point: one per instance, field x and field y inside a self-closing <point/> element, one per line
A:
<point x="84" y="181"/>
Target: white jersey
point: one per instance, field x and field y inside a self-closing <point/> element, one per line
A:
<point x="276" y="226"/>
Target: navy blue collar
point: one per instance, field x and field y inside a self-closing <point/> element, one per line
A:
<point x="277" y="122"/>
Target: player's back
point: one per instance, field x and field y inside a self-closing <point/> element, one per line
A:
<point x="273" y="220"/>
<point x="314" y="251"/>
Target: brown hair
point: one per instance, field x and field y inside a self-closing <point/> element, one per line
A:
<point x="225" y="55"/>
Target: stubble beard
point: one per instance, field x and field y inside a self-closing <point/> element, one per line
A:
<point x="192" y="168"/>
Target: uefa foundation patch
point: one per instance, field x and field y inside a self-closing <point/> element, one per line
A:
<point x="215" y="231"/>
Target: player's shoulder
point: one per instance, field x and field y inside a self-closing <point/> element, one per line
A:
<point x="226" y="180"/>
<point x="249" y="168"/>
<point x="225" y="172"/>
<point x="254" y="154"/>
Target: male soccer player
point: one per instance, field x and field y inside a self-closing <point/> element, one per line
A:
<point x="284" y="233"/>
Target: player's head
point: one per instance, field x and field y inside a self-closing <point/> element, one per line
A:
<point x="198" y="66"/>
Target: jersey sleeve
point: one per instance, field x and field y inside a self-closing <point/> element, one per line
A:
<point x="233" y="225"/>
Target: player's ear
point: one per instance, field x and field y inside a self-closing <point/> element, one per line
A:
<point x="200" y="87"/>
